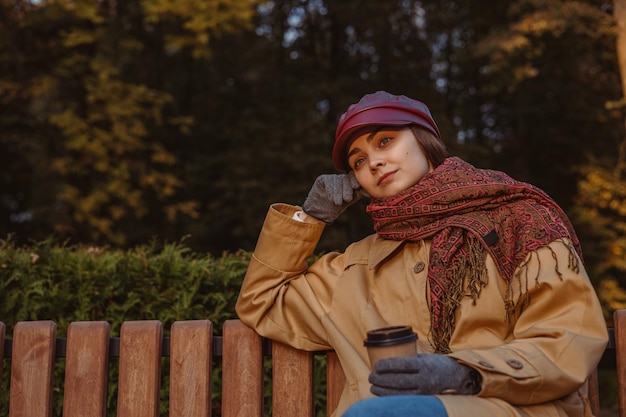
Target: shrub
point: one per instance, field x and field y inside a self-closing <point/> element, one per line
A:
<point x="167" y="282"/>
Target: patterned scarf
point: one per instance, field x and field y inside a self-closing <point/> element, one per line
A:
<point x="468" y="212"/>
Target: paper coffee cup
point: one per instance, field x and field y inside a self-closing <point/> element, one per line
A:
<point x="389" y="342"/>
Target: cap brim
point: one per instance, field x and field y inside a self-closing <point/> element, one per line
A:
<point x="379" y="116"/>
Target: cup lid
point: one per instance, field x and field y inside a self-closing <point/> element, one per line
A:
<point x="388" y="336"/>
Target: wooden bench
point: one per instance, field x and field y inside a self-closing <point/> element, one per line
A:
<point x="88" y="351"/>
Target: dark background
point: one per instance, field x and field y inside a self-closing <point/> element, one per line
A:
<point x="126" y="121"/>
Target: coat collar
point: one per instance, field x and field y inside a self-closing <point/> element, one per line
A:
<point x="380" y="250"/>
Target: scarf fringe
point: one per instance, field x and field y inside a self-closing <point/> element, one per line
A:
<point x="467" y="277"/>
<point x="523" y="279"/>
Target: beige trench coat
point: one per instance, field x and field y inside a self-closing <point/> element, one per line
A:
<point x="534" y="366"/>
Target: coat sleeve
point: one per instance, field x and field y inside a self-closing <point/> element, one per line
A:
<point x="557" y="339"/>
<point x="280" y="298"/>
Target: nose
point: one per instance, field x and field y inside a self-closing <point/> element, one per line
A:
<point x="376" y="163"/>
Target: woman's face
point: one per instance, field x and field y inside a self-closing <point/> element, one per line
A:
<point x="387" y="161"/>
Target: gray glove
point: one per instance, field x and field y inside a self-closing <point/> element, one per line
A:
<point x="425" y="374"/>
<point x="331" y="194"/>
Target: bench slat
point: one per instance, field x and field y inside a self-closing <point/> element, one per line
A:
<point x="242" y="371"/>
<point x="86" y="369"/>
<point x="32" y="367"/>
<point x="594" y="392"/>
<point x="292" y="371"/>
<point x="140" y="368"/>
<point x="190" y="368"/>
<point x="619" y="318"/>
<point x="335" y="382"/>
<point x="3" y="330"/>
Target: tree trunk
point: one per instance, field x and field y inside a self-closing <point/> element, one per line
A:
<point x="619" y="12"/>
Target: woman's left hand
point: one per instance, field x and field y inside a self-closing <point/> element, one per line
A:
<point x="425" y="374"/>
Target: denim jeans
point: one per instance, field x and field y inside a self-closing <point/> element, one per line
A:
<point x="398" y="406"/>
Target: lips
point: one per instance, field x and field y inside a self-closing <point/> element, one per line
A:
<point x="385" y="178"/>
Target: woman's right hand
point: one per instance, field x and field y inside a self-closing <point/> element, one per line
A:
<point x="331" y="194"/>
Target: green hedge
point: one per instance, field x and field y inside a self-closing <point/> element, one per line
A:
<point x="165" y="282"/>
<point x="53" y="281"/>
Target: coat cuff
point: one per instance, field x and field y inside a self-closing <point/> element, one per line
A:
<point x="285" y="242"/>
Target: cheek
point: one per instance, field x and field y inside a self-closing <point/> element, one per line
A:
<point x="365" y="179"/>
<point x="361" y="177"/>
<point x="422" y="168"/>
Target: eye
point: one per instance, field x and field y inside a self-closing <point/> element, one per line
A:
<point x="384" y="140"/>
<point x="357" y="162"/>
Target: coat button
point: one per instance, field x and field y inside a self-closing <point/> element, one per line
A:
<point x="485" y="364"/>
<point x="515" y="364"/>
<point x="419" y="267"/>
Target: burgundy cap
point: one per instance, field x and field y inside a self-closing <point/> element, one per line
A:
<point x="379" y="109"/>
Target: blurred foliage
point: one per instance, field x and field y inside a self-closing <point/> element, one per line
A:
<point x="193" y="23"/>
<point x="167" y="282"/>
<point x="601" y="214"/>
<point x="123" y="121"/>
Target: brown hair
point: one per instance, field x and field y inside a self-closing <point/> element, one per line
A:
<point x="432" y="146"/>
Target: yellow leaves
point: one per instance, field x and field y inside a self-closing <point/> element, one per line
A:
<point x="501" y="49"/>
<point x="201" y="15"/>
<point x="601" y="189"/>
<point x="88" y="204"/>
<point x="199" y="19"/>
<point x="114" y="169"/>
<point x="513" y="43"/>
<point x="161" y="156"/>
<point x="185" y="208"/>
<point x="541" y="23"/>
<point x="101" y="208"/>
<point x="73" y="127"/>
<point x="184" y="124"/>
<point x="123" y="103"/>
<point x="82" y="9"/>
<point x="165" y="184"/>
<point x="615" y="104"/>
<point x="536" y="27"/>
<point x="601" y="207"/>
<point x="524" y="72"/>
<point x="536" y="24"/>
<point x="555" y="17"/>
<point x="77" y="37"/>
<point x="613" y="297"/>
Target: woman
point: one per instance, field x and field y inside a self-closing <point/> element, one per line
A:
<point x="485" y="269"/>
